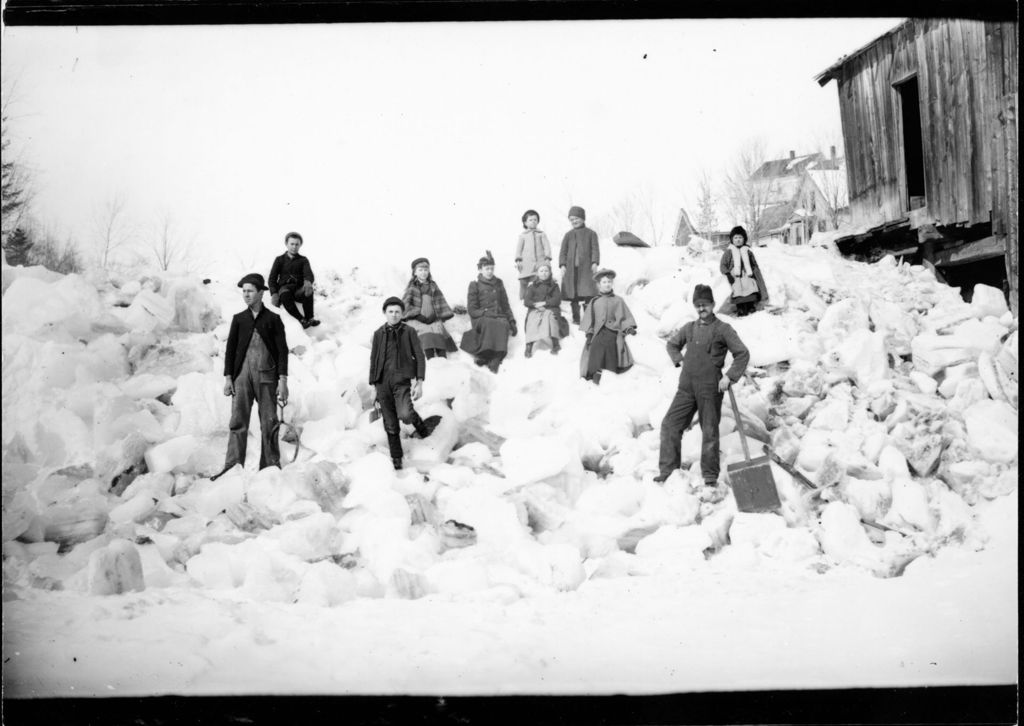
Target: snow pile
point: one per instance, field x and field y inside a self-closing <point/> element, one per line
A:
<point x="890" y="402"/>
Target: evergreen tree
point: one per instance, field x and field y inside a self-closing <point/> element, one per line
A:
<point x="18" y="247"/>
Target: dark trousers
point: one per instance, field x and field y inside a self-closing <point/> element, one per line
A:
<point x="577" y="304"/>
<point x="395" y="398"/>
<point x="288" y="298"/>
<point x="705" y="400"/>
<point x="264" y="392"/>
<point x="434" y="353"/>
<point x="490" y="358"/>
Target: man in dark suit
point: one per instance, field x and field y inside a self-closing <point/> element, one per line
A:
<point x="255" y="369"/>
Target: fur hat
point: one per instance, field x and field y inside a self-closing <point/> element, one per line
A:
<point x="487" y="259"/>
<point x="738" y="230"/>
<point x="577" y="212"/>
<point x="703" y="292"/>
<point x="255" y="278"/>
<point x="527" y="213"/>
<point x="418" y="261"/>
<point x="603" y="273"/>
<point x="393" y="301"/>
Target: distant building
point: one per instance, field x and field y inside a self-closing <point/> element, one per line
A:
<point x="929" y="115"/>
<point x="685" y="230"/>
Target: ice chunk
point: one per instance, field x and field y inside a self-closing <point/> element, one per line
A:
<point x="309" y="538"/>
<point x="326" y="585"/>
<point x="992" y="430"/>
<point x="842" y="319"/>
<point x="910" y="504"/>
<point x="473" y="454"/>
<point x="172" y="455"/>
<point x="115" y="569"/>
<point x="752" y="529"/>
<point x="988" y="300"/>
<point x="683" y="544"/>
<point x="150" y="311"/>
<point x="843" y="537"/>
<point x="533" y="459"/>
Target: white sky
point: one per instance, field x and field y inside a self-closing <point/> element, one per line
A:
<point x="404" y="138"/>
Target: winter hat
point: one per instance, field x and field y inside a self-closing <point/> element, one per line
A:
<point x="393" y="301"/>
<point x="738" y="230"/>
<point x="255" y="278"/>
<point x="604" y="273"/>
<point x="703" y="293"/>
<point x="419" y="261"/>
<point x="543" y="264"/>
<point x="487" y="259"/>
<point x="296" y="235"/>
<point x="527" y="213"/>
<point x="577" y="212"/>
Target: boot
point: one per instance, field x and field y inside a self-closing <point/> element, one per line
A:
<point x="529" y="350"/>
<point x="397" y="463"/>
<point x="427" y="428"/>
<point x="555" y="346"/>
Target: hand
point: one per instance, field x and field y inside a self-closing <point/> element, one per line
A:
<point x="282" y="392"/>
<point x="561" y="269"/>
<point x="275" y="300"/>
<point x="593" y="267"/>
<point x="539" y="306"/>
<point x="417" y="389"/>
<point x="307" y="288"/>
<point x="229" y="386"/>
<point x="590" y="336"/>
<point x="513" y="329"/>
<point x="519" y="266"/>
<point x="630" y="331"/>
<point x="723" y="385"/>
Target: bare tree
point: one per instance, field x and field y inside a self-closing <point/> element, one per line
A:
<point x="170" y="246"/>
<point x="749" y="197"/>
<point x="651" y="213"/>
<point x="832" y="184"/>
<point x="707" y="217"/>
<point x="111" y="229"/>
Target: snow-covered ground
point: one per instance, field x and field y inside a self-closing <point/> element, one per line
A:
<point x="127" y="571"/>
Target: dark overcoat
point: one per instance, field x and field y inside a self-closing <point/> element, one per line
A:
<point x="726" y="268"/>
<point x="269" y="327"/>
<point x="411" y="362"/>
<point x="578" y="253"/>
<point x="488" y="307"/>
<point x="289" y="272"/>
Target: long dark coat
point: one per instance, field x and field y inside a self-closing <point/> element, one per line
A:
<point x="289" y="272"/>
<point x="579" y="251"/>
<point x="488" y="307"/>
<point x="410" y="363"/>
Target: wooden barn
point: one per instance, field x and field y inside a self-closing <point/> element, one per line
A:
<point x="929" y="115"/>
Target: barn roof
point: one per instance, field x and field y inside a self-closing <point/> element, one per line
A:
<point x="829" y="73"/>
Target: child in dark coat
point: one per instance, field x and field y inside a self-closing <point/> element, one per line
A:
<point x="742" y="271"/>
<point x="291" y="280"/>
<point x="397" y="370"/>
<point x="578" y="258"/>
<point x="488" y="307"/>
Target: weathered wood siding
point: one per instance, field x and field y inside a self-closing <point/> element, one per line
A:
<point x="1001" y="89"/>
<point x="954" y="61"/>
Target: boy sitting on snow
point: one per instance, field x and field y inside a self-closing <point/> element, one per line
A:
<point x="291" y="279"/>
<point x="397" y="370"/>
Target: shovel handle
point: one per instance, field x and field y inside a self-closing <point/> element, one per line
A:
<point x="739" y="423"/>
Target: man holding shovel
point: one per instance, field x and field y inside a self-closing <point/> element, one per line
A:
<point x="701" y="385"/>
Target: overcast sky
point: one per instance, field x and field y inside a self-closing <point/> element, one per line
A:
<point x="402" y="138"/>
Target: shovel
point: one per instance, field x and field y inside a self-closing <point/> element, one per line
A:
<point x="752" y="481"/>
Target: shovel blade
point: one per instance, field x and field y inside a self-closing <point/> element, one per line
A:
<point x="754" y="486"/>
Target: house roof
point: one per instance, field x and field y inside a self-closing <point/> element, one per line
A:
<point x="829" y="73"/>
<point x="785" y="167"/>
<point x="776" y="217"/>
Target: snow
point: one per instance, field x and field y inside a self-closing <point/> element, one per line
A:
<point x="524" y="547"/>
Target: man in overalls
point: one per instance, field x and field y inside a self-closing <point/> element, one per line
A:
<point x="255" y="369"/>
<point x="701" y="385"/>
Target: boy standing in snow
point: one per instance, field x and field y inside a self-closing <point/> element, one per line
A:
<point x="255" y="369"/>
<point x="701" y="385"/>
<point x="578" y="258"/>
<point x="291" y="279"/>
<point x="397" y="370"/>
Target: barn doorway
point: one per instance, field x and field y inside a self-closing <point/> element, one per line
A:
<point x="913" y="154"/>
<point x="990" y="271"/>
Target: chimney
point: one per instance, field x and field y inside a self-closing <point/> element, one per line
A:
<point x="792" y="155"/>
<point x="833" y="150"/>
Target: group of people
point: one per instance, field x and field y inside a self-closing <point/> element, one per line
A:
<point x="256" y="359"/>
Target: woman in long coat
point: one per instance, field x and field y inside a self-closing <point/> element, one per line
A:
<point x="742" y="271"/>
<point x="493" y="322"/>
<point x="578" y="258"/>
<point x="426" y="310"/>
<point x="532" y="249"/>
<point x="606" y="322"/>
<point x="543" y="304"/>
